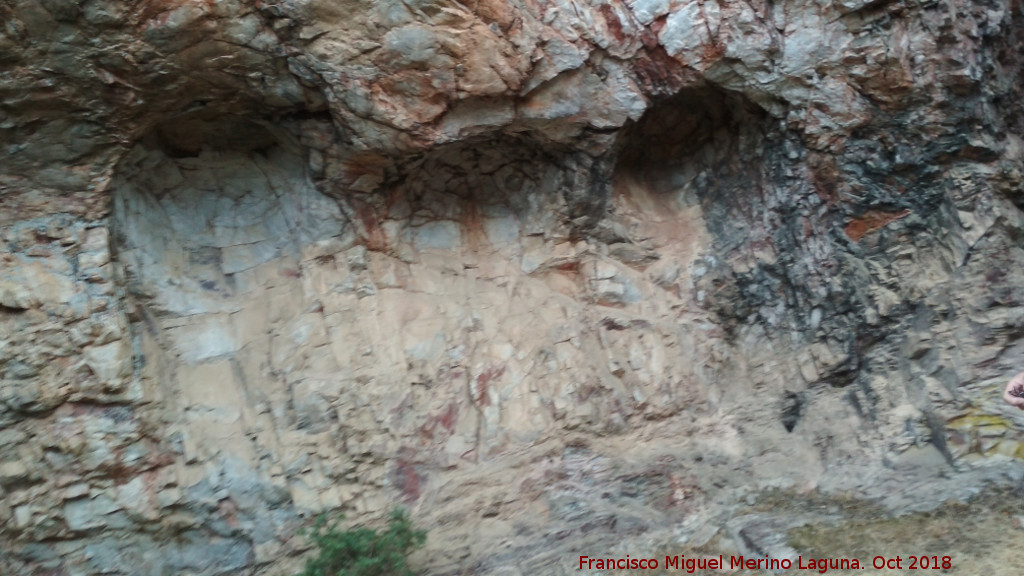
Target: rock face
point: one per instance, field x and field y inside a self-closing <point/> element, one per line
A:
<point x="557" y="276"/>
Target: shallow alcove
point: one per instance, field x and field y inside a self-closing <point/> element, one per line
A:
<point x="701" y="144"/>
<point x="213" y="218"/>
<point x="686" y="181"/>
<point x="312" y="346"/>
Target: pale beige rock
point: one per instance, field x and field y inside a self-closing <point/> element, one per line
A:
<point x="11" y="472"/>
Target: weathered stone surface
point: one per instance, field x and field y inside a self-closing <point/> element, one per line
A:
<point x="557" y="276"/>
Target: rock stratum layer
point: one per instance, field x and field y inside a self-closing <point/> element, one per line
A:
<point x="560" y="277"/>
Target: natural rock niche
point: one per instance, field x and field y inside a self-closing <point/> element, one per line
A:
<point x="561" y="278"/>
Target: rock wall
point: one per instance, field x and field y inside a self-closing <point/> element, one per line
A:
<point x="556" y="276"/>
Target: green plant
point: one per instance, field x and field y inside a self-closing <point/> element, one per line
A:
<point x="362" y="551"/>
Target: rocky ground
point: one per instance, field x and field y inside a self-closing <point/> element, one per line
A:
<point x="979" y="535"/>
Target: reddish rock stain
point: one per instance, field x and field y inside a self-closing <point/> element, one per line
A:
<point x="614" y="24"/>
<point x="483" y="381"/>
<point x="446" y="420"/>
<point x="871" y="220"/>
<point x="374" y="236"/>
<point x="408" y="480"/>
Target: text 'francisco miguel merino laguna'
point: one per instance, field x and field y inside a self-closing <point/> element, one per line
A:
<point x="691" y="565"/>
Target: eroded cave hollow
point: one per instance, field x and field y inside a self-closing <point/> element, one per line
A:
<point x="345" y="348"/>
<point x="309" y="346"/>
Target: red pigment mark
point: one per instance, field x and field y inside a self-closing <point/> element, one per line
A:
<point x="649" y="39"/>
<point x="614" y="24"/>
<point x="472" y="229"/>
<point x="871" y="220"/>
<point x="374" y="235"/>
<point x="660" y="73"/>
<point x="228" y="511"/>
<point x="483" y="380"/>
<point x="586" y="390"/>
<point x="569" y="266"/>
<point x="446" y="419"/>
<point x="449" y="417"/>
<point x="824" y="176"/>
<point x="495" y="11"/>
<point x="156" y="12"/>
<point x="367" y="164"/>
<point x="713" y="50"/>
<point x="431" y="92"/>
<point x="681" y="490"/>
<point x="658" y="24"/>
<point x="408" y="479"/>
<point x="119" y="471"/>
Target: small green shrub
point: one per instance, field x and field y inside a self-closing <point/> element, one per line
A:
<point x="362" y="551"/>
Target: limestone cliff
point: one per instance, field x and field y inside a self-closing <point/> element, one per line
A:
<point x="556" y="275"/>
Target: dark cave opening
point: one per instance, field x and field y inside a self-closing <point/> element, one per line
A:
<point x="701" y="137"/>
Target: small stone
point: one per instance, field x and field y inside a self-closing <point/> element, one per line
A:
<point x="179" y="521"/>
<point x="267" y="552"/>
<point x="169" y="497"/>
<point x="15" y="295"/>
<point x="11" y="472"/>
<point x="76" y="491"/>
<point x="88" y="513"/>
<point x="22" y="516"/>
<point x="111" y="363"/>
